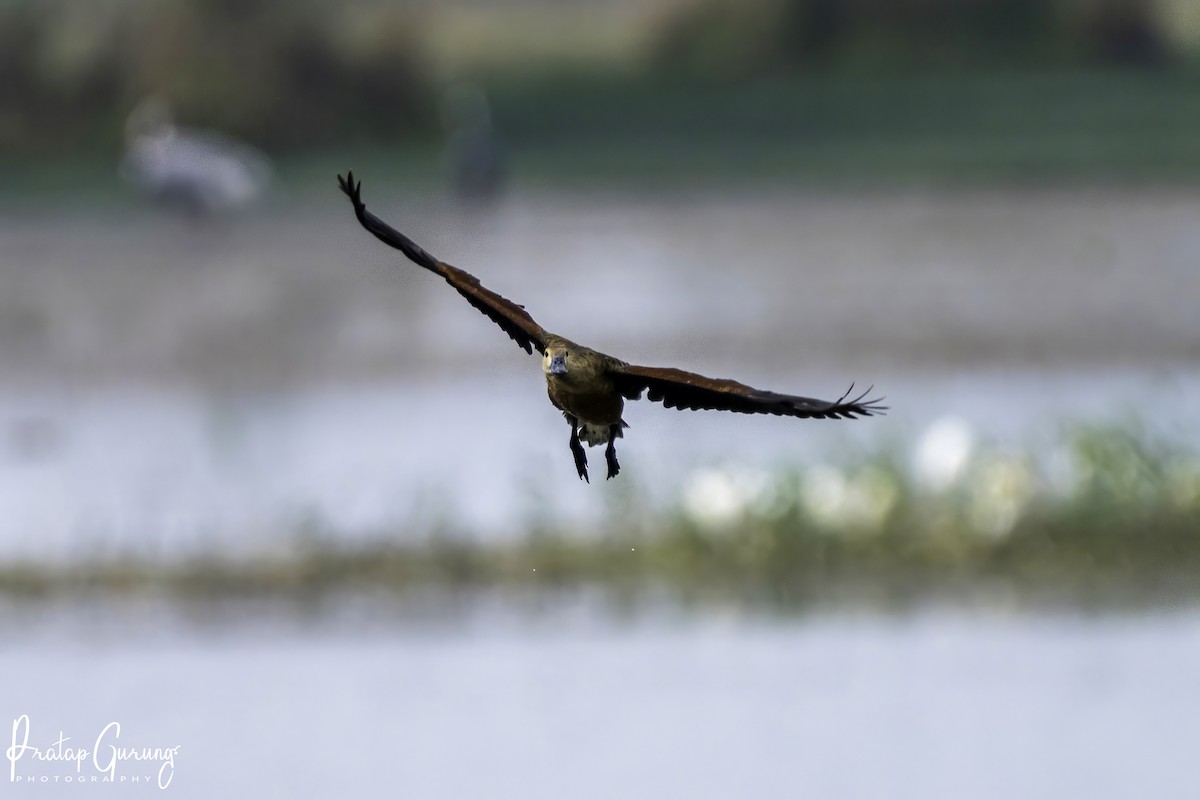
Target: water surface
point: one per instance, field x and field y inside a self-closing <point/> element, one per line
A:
<point x="935" y="705"/>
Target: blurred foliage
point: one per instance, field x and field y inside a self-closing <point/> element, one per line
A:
<point x="728" y="38"/>
<point x="279" y="74"/>
<point x="944" y="127"/>
<point x="1107" y="515"/>
<point x="304" y="73"/>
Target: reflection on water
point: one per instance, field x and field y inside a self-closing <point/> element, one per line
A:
<point x="932" y="706"/>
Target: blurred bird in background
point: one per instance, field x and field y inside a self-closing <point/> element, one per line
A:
<point x="199" y="173"/>
<point x="474" y="157"/>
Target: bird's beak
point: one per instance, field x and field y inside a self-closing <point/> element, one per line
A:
<point x="558" y="364"/>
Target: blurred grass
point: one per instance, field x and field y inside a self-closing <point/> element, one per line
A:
<point x="1110" y="518"/>
<point x="669" y="93"/>
<point x="948" y="128"/>
<point x="599" y="132"/>
<point x="90" y="185"/>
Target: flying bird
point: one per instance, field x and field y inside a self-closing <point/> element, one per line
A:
<point x="589" y="387"/>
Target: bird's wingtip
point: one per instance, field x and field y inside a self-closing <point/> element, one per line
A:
<point x="860" y="404"/>
<point x="352" y="189"/>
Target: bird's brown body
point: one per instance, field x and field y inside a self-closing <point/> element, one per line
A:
<point x="591" y="388"/>
<point x="584" y="391"/>
<point x="588" y="397"/>
<point x="594" y="403"/>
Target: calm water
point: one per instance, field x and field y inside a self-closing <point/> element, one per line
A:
<point x="933" y="706"/>
<point x="168" y="390"/>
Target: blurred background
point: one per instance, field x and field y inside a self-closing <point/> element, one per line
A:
<point x="275" y="496"/>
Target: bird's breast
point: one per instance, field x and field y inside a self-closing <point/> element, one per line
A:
<point x="595" y="401"/>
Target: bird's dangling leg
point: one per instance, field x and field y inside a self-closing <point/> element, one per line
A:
<point x="610" y="452"/>
<point x="577" y="450"/>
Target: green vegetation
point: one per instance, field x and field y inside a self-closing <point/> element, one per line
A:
<point x="719" y="38"/>
<point x="949" y="128"/>
<point x="892" y="91"/>
<point x="280" y="74"/>
<point x="1109" y="516"/>
<point x="594" y="132"/>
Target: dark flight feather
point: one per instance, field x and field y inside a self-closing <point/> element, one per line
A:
<point x="510" y="316"/>
<point x="675" y="388"/>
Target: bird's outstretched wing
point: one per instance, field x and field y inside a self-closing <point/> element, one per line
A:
<point x="510" y="316"/>
<point x="675" y="388"/>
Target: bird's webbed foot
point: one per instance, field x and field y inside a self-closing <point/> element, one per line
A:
<point x="578" y="451"/>
<point x="610" y="453"/>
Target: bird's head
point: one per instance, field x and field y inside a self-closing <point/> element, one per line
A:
<point x="150" y="120"/>
<point x="554" y="362"/>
